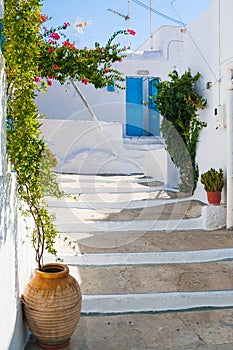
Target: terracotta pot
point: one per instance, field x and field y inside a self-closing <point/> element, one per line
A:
<point x="52" y="306"/>
<point x="214" y="198"/>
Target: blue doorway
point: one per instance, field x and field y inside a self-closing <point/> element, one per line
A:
<point x="153" y="113"/>
<point x="134" y="106"/>
<point x="141" y="119"/>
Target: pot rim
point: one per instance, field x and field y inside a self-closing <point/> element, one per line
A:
<point x="61" y="271"/>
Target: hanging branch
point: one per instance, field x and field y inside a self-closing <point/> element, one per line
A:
<point x="34" y="57"/>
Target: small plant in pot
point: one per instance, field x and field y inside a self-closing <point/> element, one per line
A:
<point x="213" y="181"/>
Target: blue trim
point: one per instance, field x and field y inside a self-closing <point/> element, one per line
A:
<point x="111" y="87"/>
<point x="153" y="113"/>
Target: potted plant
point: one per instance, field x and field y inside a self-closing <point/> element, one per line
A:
<point x="52" y="299"/>
<point x="213" y="181"/>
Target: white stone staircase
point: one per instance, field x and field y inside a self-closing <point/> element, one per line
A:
<point x="128" y="264"/>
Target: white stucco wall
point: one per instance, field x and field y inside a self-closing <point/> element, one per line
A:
<point x="158" y="164"/>
<point x="15" y="256"/>
<point x="15" y="270"/>
<point x="61" y="102"/>
<point x="168" y="40"/>
<point x="208" y="50"/>
<point x="84" y="147"/>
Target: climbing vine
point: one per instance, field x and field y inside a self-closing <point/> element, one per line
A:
<point x="178" y="102"/>
<point x="34" y="57"/>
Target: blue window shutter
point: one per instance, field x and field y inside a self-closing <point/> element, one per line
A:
<point x="111" y="87"/>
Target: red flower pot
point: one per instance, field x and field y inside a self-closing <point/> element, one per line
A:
<point x="214" y="198"/>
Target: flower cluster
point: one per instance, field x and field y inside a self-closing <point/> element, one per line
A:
<point x="131" y="31"/>
<point x="67" y="43"/>
<point x="43" y="18"/>
<point x="60" y="60"/>
<point x="54" y="36"/>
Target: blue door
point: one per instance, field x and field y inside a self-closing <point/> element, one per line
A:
<point x="134" y="106"/>
<point x="153" y="114"/>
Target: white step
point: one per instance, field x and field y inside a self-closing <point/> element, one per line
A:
<point x="97" y="189"/>
<point x="138" y="178"/>
<point x="147" y="258"/>
<point x="155" y="302"/>
<point x="84" y="202"/>
<point x="137" y="225"/>
<point x="112" y="198"/>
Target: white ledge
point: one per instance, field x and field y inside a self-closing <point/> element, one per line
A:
<point x="148" y="258"/>
<point x="155" y="302"/>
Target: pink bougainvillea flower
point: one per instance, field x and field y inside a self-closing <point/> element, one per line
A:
<point x="85" y="81"/>
<point x="67" y="43"/>
<point x="51" y="50"/>
<point x="36" y="79"/>
<point x="54" y="36"/>
<point x="43" y="18"/>
<point x="52" y="42"/>
<point x="55" y="67"/>
<point x="121" y="59"/>
<point x="50" y="83"/>
<point x="131" y="31"/>
<point x="107" y="70"/>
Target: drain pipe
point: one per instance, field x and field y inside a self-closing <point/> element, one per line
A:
<point x="115" y="153"/>
<point x="230" y="148"/>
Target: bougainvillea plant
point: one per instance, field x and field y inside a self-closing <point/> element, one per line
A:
<point x="34" y="57"/>
<point x="60" y="59"/>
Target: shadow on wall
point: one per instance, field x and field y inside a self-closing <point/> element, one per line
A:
<point x="15" y="267"/>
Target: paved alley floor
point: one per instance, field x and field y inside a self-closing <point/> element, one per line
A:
<point x="125" y="254"/>
<point x="196" y="330"/>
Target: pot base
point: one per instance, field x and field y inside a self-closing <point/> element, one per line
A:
<point x="214" y="198"/>
<point x="53" y="347"/>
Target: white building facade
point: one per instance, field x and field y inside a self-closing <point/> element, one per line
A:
<point x="205" y="47"/>
<point x="127" y="116"/>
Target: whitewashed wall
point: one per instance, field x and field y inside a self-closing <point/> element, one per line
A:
<point x="15" y="267"/>
<point x="15" y="257"/>
<point x="85" y="147"/>
<point x="208" y="49"/>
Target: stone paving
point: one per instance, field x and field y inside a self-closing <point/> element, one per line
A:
<point x="100" y="242"/>
<point x="196" y="330"/>
<point x="190" y="329"/>
<point x="155" y="279"/>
